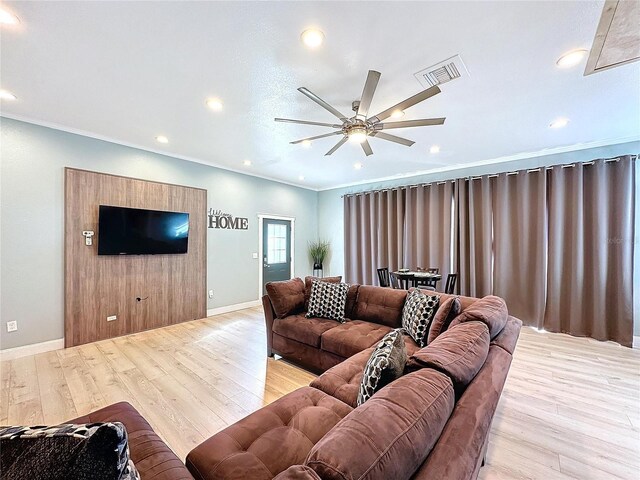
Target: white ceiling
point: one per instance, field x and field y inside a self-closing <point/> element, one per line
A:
<point x="129" y="71"/>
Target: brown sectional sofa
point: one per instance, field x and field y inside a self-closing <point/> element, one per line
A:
<point x="432" y="423"/>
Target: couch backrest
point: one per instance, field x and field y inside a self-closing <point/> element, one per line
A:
<point x="391" y="434"/>
<point x="379" y="305"/>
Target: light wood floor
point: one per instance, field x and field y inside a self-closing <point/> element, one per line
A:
<point x="570" y="408"/>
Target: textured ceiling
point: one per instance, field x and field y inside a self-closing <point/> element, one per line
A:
<point x="128" y="71"/>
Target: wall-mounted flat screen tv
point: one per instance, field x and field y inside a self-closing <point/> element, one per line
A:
<point x="133" y="231"/>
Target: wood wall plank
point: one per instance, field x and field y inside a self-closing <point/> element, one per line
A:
<point x="99" y="286"/>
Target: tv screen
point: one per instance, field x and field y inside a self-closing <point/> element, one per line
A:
<point x="133" y="231"/>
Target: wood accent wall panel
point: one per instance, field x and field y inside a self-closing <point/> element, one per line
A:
<point x="99" y="286"/>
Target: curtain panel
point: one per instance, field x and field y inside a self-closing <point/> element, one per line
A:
<point x="427" y="226"/>
<point x="373" y="229"/>
<point x="590" y="261"/>
<point x="474" y="248"/>
<point x="520" y="243"/>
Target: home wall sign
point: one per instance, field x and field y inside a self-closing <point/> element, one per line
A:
<point x="219" y="219"/>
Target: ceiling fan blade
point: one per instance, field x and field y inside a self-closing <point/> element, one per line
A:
<point x="409" y="102"/>
<point x="305" y="122"/>
<point x="392" y="138"/>
<point x="367" y="94"/>
<point x="339" y="132"/>
<point x="337" y="146"/>
<point x="367" y="148"/>
<point x="322" y="103"/>
<point x="425" y="122"/>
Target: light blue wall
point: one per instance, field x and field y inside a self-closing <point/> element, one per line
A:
<point x="31" y="221"/>
<point x="330" y="206"/>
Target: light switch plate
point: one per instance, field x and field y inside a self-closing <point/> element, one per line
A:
<point x="12" y="326"/>
<point x="254" y="255"/>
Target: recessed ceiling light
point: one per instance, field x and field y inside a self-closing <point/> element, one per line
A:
<point x="7" y="95"/>
<point x="301" y="178"/>
<point x="306" y="143"/>
<point x="8" y="18"/>
<point x="312" y="37"/>
<point x="434" y="149"/>
<point x="397" y="114"/>
<point x="247" y="163"/>
<point x="162" y="139"/>
<point x="357" y="166"/>
<point x="559" y="123"/>
<point x="572" y="58"/>
<point x="214" y="104"/>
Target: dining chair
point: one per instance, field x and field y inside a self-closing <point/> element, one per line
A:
<point x="451" y="283"/>
<point x="433" y="270"/>
<point x="383" y="277"/>
<point x="393" y="280"/>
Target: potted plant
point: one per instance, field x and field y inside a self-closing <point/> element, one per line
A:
<point x="318" y="251"/>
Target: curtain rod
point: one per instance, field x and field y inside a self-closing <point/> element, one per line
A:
<point x="493" y="175"/>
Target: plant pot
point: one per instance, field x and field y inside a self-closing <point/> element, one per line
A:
<point x="317" y="266"/>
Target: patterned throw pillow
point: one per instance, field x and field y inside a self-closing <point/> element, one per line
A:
<point x="328" y="300"/>
<point x="94" y="450"/>
<point x="385" y="365"/>
<point x="417" y="314"/>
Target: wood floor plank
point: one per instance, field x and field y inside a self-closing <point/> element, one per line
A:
<point x="59" y="406"/>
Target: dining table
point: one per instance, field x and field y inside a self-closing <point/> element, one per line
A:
<point x="405" y="276"/>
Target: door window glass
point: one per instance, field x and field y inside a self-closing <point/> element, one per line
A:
<point x="276" y="243"/>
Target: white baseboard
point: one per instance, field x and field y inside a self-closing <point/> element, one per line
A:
<point x="233" y="308"/>
<point x="17" y="352"/>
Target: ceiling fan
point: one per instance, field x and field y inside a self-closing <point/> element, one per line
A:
<point x="358" y="127"/>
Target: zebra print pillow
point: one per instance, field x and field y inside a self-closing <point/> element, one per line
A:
<point x="97" y="451"/>
<point x="385" y="365"/>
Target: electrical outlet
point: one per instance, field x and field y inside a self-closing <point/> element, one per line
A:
<point x="254" y="255"/>
<point x="210" y="293"/>
<point x="12" y="326"/>
<point x="111" y="318"/>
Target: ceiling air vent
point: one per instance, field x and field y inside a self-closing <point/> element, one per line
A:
<point x="442" y="72"/>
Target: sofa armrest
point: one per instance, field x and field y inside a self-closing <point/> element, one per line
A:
<point x="269" y="316"/>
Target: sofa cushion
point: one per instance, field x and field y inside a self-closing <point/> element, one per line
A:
<point x="352" y="296"/>
<point x="385" y="365"/>
<point x="151" y="456"/>
<point x="308" y="281"/>
<point x="417" y="314"/>
<point x="449" y="309"/>
<point x="270" y="440"/>
<point x="328" y="300"/>
<point x="287" y="297"/>
<point x="459" y="353"/>
<point x="490" y="310"/>
<point x="379" y="305"/>
<point x="391" y="434"/>
<point x="302" y="329"/>
<point x="352" y="337"/>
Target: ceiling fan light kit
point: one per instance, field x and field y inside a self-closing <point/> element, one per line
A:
<point x="360" y="126"/>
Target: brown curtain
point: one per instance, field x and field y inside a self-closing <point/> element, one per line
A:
<point x="427" y="227"/>
<point x="591" y="235"/>
<point x="373" y="231"/>
<point x="520" y="243"/>
<point x="474" y="237"/>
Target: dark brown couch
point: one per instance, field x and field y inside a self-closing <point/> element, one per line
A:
<point x="432" y="423"/>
